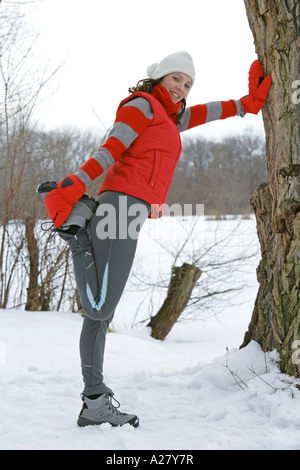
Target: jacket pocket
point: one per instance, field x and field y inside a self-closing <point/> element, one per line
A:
<point x="156" y="168"/>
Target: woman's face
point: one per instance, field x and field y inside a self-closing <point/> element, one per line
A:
<point x="178" y="85"/>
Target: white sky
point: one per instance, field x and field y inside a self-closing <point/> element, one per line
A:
<point x="106" y="46"/>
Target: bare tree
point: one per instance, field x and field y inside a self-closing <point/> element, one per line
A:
<point x="22" y="78"/>
<point x="222" y="175"/>
<point x="35" y="269"/>
<point x="208" y="261"/>
<point x="276" y="317"/>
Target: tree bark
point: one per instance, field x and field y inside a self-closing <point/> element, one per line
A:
<point x="182" y="282"/>
<point x="276" y="317"/>
<point x="32" y="302"/>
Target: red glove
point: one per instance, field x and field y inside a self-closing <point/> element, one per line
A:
<point x="59" y="201"/>
<point x="258" y="89"/>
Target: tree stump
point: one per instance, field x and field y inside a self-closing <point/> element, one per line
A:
<point x="182" y="282"/>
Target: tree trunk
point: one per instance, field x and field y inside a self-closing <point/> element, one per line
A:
<point x="182" y="282"/>
<point x="33" y="254"/>
<point x="276" y="317"/>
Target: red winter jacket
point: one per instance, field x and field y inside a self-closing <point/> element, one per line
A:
<point x="146" y="169"/>
<point x="143" y="146"/>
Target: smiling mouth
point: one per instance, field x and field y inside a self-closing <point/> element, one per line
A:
<point x="175" y="95"/>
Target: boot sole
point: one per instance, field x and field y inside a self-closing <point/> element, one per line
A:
<point x="82" y="422"/>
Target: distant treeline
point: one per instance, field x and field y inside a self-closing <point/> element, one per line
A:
<point x="220" y="175"/>
<point x="35" y="270"/>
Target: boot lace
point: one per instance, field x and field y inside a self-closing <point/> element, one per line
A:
<point x="111" y="407"/>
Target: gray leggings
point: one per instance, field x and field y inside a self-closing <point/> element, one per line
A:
<point x="103" y="254"/>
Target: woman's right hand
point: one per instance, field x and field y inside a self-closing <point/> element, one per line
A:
<point x="59" y="202"/>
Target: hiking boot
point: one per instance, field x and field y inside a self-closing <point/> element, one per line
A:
<point x="82" y="210"/>
<point x="101" y="410"/>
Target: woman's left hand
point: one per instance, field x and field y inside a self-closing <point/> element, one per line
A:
<point x="258" y="89"/>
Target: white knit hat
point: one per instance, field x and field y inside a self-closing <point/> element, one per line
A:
<point x="177" y="62"/>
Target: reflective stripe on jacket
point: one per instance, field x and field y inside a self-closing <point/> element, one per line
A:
<point x="146" y="169"/>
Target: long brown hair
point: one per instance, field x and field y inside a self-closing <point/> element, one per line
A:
<point x="147" y="84"/>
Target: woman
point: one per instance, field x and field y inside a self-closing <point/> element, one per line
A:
<point x="140" y="156"/>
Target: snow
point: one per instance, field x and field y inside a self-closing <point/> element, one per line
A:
<point x="196" y="390"/>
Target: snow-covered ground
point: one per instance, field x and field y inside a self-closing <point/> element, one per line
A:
<point x="195" y="390"/>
